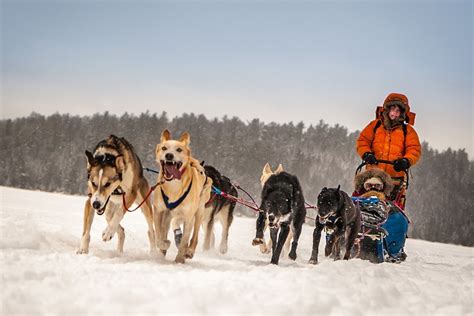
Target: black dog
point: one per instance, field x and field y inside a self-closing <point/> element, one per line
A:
<point x="222" y="209"/>
<point x="337" y="212"/>
<point x="283" y="203"/>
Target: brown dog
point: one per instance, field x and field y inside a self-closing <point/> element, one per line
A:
<point x="181" y="198"/>
<point x="114" y="172"/>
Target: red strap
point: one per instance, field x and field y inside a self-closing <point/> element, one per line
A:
<point x="146" y="198"/>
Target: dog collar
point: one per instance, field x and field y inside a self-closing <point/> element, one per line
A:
<point x="176" y="203"/>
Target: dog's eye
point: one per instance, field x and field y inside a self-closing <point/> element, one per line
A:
<point x="179" y="150"/>
<point x="164" y="148"/>
<point x="107" y="185"/>
<point x="94" y="184"/>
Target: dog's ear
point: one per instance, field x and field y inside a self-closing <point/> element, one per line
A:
<point x="338" y="188"/>
<point x="267" y="169"/>
<point x="324" y="189"/>
<point x="185" y="138"/>
<point x="91" y="161"/>
<point x="119" y="164"/>
<point x="279" y="169"/>
<point x="166" y="135"/>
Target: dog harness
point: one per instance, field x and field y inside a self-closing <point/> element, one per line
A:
<point x="171" y="206"/>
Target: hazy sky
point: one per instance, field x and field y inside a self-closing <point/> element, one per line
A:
<point x="276" y="61"/>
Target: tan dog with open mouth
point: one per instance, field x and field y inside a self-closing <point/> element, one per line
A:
<point x="114" y="174"/>
<point x="182" y="196"/>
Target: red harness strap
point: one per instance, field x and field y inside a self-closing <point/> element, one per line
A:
<point x="146" y="198"/>
<point x="211" y="199"/>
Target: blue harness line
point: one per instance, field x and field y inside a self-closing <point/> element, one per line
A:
<point x="171" y="206"/>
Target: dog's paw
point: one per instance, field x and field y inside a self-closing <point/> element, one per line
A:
<point x="189" y="253"/>
<point x="223" y="248"/>
<point x="313" y="261"/>
<point x="264" y="248"/>
<point x="108" y="233"/>
<point x="179" y="259"/>
<point x="163" y="244"/>
<point x="257" y="241"/>
<point x="274" y="261"/>
<point x="82" y="251"/>
<point x="292" y="256"/>
<point x="153" y="252"/>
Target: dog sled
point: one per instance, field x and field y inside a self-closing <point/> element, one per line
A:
<point x="384" y="224"/>
<point x="383" y="231"/>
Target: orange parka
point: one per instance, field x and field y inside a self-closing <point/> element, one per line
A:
<point x="387" y="140"/>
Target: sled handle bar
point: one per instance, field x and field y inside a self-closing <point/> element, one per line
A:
<point x="359" y="168"/>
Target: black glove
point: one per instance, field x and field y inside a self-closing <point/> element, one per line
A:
<point x="369" y="158"/>
<point x="401" y="164"/>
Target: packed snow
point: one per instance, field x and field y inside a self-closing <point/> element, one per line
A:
<point x="42" y="274"/>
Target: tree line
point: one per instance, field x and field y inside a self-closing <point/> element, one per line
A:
<point x="47" y="153"/>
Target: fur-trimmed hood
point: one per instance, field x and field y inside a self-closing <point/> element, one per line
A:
<point x="374" y="172"/>
<point x="399" y="100"/>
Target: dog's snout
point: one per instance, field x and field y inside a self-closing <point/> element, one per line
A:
<point x="169" y="156"/>
<point x="96" y="205"/>
<point x="271" y="218"/>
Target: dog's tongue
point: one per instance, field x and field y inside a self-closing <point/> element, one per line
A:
<point x="171" y="169"/>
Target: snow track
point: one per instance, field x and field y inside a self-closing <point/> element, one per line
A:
<point x="42" y="274"/>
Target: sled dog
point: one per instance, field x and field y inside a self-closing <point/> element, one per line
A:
<point x="283" y="207"/>
<point x="218" y="208"/>
<point x="181" y="198"/>
<point x="338" y="213"/>
<point x="114" y="174"/>
<point x="265" y="247"/>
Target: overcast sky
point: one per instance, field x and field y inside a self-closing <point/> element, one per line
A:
<point x="276" y="61"/>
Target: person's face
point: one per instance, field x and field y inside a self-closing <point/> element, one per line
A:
<point x="394" y="112"/>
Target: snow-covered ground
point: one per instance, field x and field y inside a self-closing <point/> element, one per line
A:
<point x="42" y="274"/>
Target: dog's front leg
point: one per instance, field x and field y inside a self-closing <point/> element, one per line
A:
<point x="114" y="215"/>
<point x="158" y="219"/>
<point x="333" y="244"/>
<point x="260" y="227"/>
<point x="337" y="246"/>
<point x="183" y="246"/>
<point x="316" y="238"/>
<point x="208" y="224"/>
<point x="351" y="234"/>
<point x="86" y="236"/>
<point x="194" y="240"/>
<point x="330" y="243"/>
<point x="148" y="213"/>
<point x="273" y="237"/>
<point x="294" y="244"/>
<point x="284" y="230"/>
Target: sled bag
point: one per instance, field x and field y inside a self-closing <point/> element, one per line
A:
<point x="397" y="228"/>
